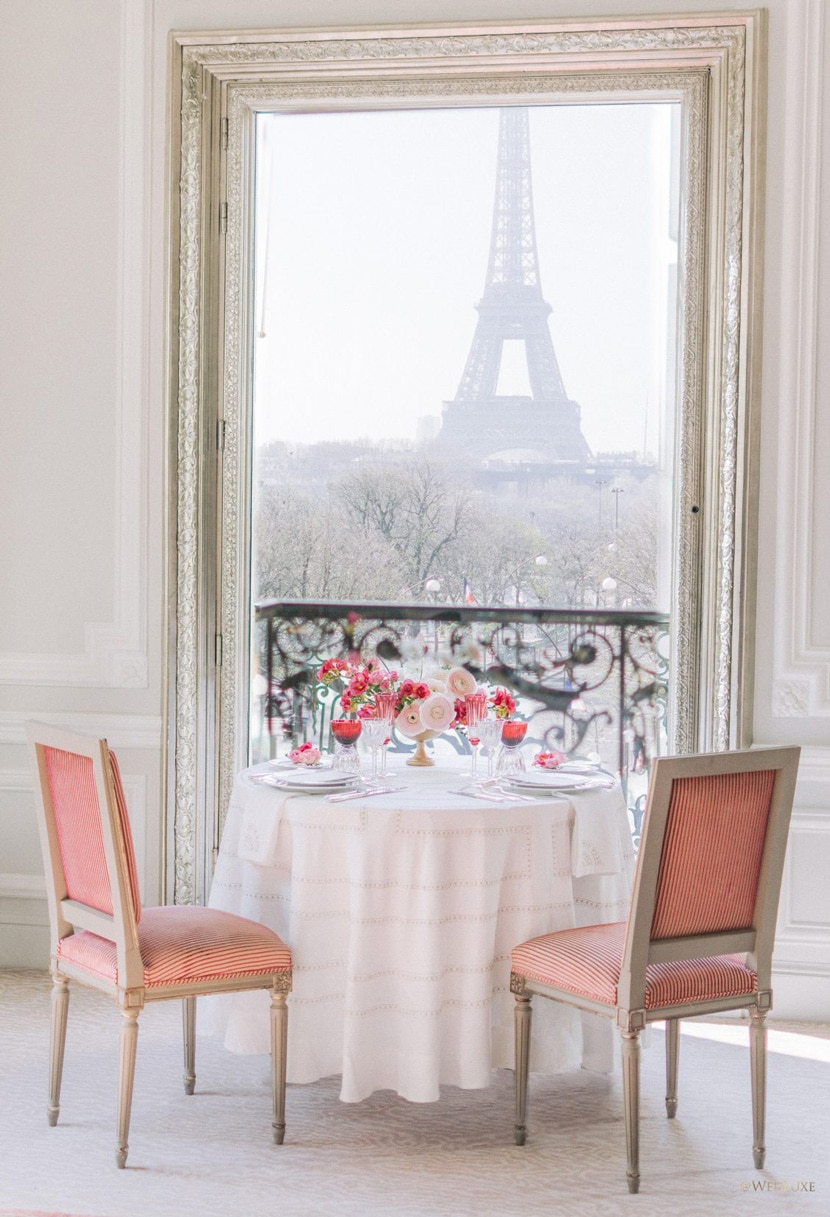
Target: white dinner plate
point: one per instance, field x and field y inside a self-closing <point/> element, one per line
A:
<point x="550" y="779"/>
<point x="313" y="781"/>
<point x="290" y="767"/>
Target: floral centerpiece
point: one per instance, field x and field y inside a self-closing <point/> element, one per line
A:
<point x="423" y="709"/>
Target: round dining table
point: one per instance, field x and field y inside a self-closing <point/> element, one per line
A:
<point x="401" y="911"/>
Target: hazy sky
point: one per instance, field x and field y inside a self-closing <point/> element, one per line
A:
<point x="373" y="235"/>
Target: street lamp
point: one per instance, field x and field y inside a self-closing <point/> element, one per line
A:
<point x="609" y="586"/>
<point x="617" y="491"/>
<point x="599" y="485"/>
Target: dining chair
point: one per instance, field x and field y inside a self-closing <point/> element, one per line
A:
<point x="101" y="936"/>
<point x="700" y="929"/>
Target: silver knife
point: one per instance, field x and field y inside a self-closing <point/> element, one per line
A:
<point x="362" y="794"/>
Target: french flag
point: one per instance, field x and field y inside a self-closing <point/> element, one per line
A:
<point x="469" y="598"/>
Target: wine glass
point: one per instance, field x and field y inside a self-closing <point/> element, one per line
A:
<point x="385" y="706"/>
<point x="346" y="732"/>
<point x="511" y="763"/>
<point x="475" y="705"/>
<point x="489" y="732"/>
<point x="374" y="733"/>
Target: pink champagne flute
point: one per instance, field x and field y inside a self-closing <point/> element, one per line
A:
<point x="475" y="705"/>
<point x="385" y="706"/>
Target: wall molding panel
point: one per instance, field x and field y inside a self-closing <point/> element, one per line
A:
<point x="801" y="685"/>
<point x="115" y="654"/>
<point x="121" y="730"/>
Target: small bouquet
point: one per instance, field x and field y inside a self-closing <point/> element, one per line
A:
<point x="305" y="754"/>
<point x="360" y="683"/>
<point x="502" y="703"/>
<point x="549" y="760"/>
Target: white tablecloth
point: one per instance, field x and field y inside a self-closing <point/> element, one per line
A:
<point x="401" y="911"/>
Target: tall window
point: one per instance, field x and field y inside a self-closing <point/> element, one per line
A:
<point x="384" y="377"/>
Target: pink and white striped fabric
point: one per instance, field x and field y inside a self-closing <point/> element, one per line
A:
<point x="185" y="944"/>
<point x="711" y="855"/>
<point x="586" y="962"/>
<point x="78" y="825"/>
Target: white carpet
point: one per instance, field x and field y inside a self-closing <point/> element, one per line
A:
<point x="212" y="1154"/>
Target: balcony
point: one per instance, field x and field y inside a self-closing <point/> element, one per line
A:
<point x="590" y="683"/>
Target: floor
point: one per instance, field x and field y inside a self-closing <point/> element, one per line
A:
<point x="212" y="1154"/>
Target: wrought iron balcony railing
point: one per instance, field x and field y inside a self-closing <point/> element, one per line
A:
<point x="588" y="682"/>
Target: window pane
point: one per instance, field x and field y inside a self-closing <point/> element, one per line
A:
<point x="464" y="365"/>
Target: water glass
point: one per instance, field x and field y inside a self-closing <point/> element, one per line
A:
<point x="489" y="732"/>
<point x="374" y="733"/>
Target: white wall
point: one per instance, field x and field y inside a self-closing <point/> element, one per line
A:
<point x="82" y="465"/>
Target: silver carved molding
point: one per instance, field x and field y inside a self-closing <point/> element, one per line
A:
<point x="222" y="85"/>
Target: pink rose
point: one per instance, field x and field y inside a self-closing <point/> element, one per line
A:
<point x="549" y="760"/>
<point x="306" y="754"/>
<point x="409" y="721"/>
<point x="437" y="712"/>
<point x="460" y="682"/>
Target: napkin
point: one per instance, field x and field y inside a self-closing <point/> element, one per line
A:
<point x="260" y="827"/>
<point x="595" y="841"/>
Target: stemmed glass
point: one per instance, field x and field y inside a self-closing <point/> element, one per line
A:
<point x="511" y="762"/>
<point x="385" y="706"/>
<point x="475" y="705"/>
<point x="346" y="732"/>
<point x="374" y="733"/>
<point x="489" y="732"/>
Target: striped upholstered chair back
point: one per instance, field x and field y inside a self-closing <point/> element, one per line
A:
<point x="711" y="860"/>
<point x="92" y="882"/>
<point x="77" y="813"/>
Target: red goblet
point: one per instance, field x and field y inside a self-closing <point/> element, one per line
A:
<point x="511" y="762"/>
<point x="346" y="732"/>
<point x="512" y="733"/>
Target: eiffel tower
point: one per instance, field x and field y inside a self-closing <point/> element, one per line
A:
<point x="480" y="425"/>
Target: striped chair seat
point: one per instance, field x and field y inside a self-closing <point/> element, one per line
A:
<point x="185" y="944"/>
<point x="586" y="962"/>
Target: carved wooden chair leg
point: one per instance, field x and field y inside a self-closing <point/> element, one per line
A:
<point x="60" y="1009"/>
<point x="523" y="1015"/>
<point x="631" y="1105"/>
<point x="126" y="1075"/>
<point x="672" y="1053"/>
<point x="279" y="1047"/>
<point x="189" y="1028"/>
<point x="758" y="1070"/>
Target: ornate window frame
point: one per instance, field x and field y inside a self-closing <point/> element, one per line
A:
<point x="220" y="80"/>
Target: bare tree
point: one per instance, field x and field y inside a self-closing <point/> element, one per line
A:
<point x="418" y="508"/>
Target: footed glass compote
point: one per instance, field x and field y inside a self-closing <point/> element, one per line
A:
<point x="511" y="763"/>
<point x="346" y="732"/>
